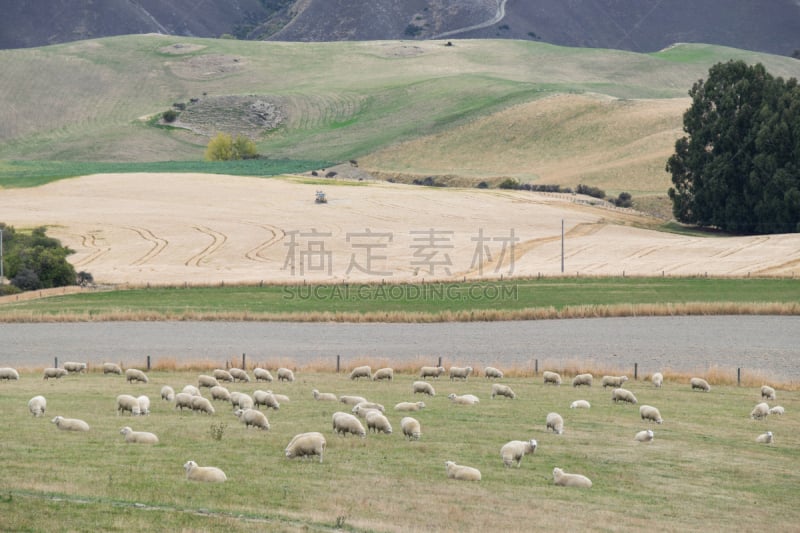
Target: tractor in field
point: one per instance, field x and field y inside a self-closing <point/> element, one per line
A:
<point x="321" y="198"/>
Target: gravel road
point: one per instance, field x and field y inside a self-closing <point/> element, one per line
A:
<point x="769" y="344"/>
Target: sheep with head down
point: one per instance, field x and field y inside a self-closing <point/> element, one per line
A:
<point x="238" y="373"/>
<point x="657" y="379"/>
<point x="377" y="422"/>
<point x="54" y="373"/>
<point x="112" y="368"/>
<point x="144" y="404"/>
<point x="183" y="399"/>
<point x="460" y="372"/>
<point x="498" y="389"/>
<point x="462" y="472"/>
<point x="220" y="393"/>
<point x="361" y="372"/>
<point x="285" y="374"/>
<point x="220" y="374"/>
<point x="515" y="450"/>
<point x="267" y="399"/>
<point x="555" y="422"/>
<point x="138" y="437"/>
<point x="411" y="428"/>
<point x="551" y="377"/>
<point x="207" y="381"/>
<point x="760" y="411"/>
<point x="37" y="405"/>
<point x="135" y="375"/>
<point x="582" y="380"/>
<point x="252" y="418"/>
<point x="74" y="367"/>
<point x="9" y="374"/>
<point x="210" y="474"/>
<point x="306" y="445"/>
<point x="700" y="384"/>
<point x="382" y="374"/>
<point x="623" y="395"/>
<point x="202" y="405"/>
<point x="423" y="387"/>
<point x="492" y="373"/>
<point x="167" y="393"/>
<point x="344" y="423"/>
<point x="648" y="412"/>
<point x="126" y="402"/>
<point x="262" y="374"/>
<point x="564" y="479"/>
<point x="767" y="392"/>
<point x="777" y="410"/>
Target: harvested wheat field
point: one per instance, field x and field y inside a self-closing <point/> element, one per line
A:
<point x="209" y="229"/>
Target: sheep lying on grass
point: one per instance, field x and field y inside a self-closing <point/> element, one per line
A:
<point x="563" y="479"/>
<point x="324" y="396"/>
<point x="285" y="374"/>
<point x="492" y="372"/>
<point x="614" y="381"/>
<point x="777" y="410"/>
<point x="582" y="379"/>
<point x="646" y="435"/>
<point x="267" y="399"/>
<point x="73" y="367"/>
<point x="648" y="412"/>
<point x="37" y="405"/>
<point x="262" y="374"/>
<point x="383" y="374"/>
<point x="431" y="371"/>
<point x="515" y="450"/>
<point x="465" y="473"/>
<point x="700" y="384"/>
<point x="423" y="387"/>
<point x="551" y="377"/>
<point x="252" y="417"/>
<point x="760" y="411"/>
<point x="133" y="374"/>
<point x="361" y="410"/>
<point x="411" y="428"/>
<point x="348" y="399"/>
<point x="460" y="372"/>
<point x="409" y="406"/>
<point x="580" y="404"/>
<point x="361" y="372"/>
<point x="138" y="437"/>
<point x="765" y="438"/>
<point x="623" y="395"/>
<point x="9" y="374"/>
<point x="281" y="398"/>
<point x="167" y="393"/>
<point x="221" y="374"/>
<point x="767" y="392"/>
<point x="111" y="368"/>
<point x="54" y="373"/>
<point x="126" y="402"/>
<point x="306" y="445"/>
<point x="70" y="424"/>
<point x="499" y="389"/>
<point x="657" y="379"/>
<point x="204" y="473"/>
<point x="345" y="423"/>
<point x="555" y="422"/>
<point x="369" y="405"/>
<point x="238" y="373"/>
<point x="464" y="399"/>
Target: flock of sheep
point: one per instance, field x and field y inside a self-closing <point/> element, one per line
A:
<point x="360" y="416"/>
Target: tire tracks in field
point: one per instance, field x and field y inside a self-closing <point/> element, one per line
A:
<point x="217" y="240"/>
<point x="158" y="243"/>
<point x="89" y="241"/>
<point x="254" y="254"/>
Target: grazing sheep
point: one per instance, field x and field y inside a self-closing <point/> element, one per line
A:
<point x="555" y="422"/>
<point x="409" y="406"/>
<point x="73" y="367"/>
<point x="167" y="393"/>
<point x="383" y="373"/>
<point x="464" y="399"/>
<point x="460" y="372"/>
<point x="614" y="381"/>
<point x="648" y="412"/>
<point x="431" y="371"/>
<point x="657" y="379"/>
<point x="282" y="398"/>
<point x="623" y="395"/>
<point x="352" y="400"/>
<point x="204" y="473"/>
<point x="777" y="410"/>
<point x="111" y="368"/>
<point x="56" y="373"/>
<point x="138" y="437"/>
<point x="361" y="410"/>
<point x="183" y="399"/>
<point x="492" y="373"/>
<point x="144" y="405"/>
<point x="580" y="404"/>
<point x="70" y="424"/>
<point x="563" y="479"/>
<point x="345" y="423"/>
<point x="222" y="375"/>
<point x="220" y="393"/>
<point x="203" y="405"/>
<point x="242" y="400"/>
<point x="266" y="399"/>
<point x="551" y="377"/>
<point x="515" y="450"/>
<point x="700" y="384"/>
<point x="324" y="396"/>
<point x="306" y="445"/>
<point x="262" y="374"/>
<point x="465" y="473"/>
<point x="361" y="372"/>
<point x="582" y="379"/>
<point x="126" y="402"/>
<point x="37" y="405"/>
<point x="767" y="392"/>
<point x="9" y="374"/>
<point x="238" y="373"/>
<point x="191" y="389"/>
<point x="377" y="422"/>
<point x="423" y="387"/>
<point x="252" y="417"/>
<point x="370" y="405"/>
<point x="765" y="438"/>
<point x="646" y="435"/>
<point x="285" y="374"/>
<point x="502" y="390"/>
<point x="133" y="374"/>
<point x="760" y="411"/>
<point x="411" y="428"/>
<point x="207" y="381"/>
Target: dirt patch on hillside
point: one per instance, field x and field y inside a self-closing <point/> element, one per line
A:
<point x="207" y="66"/>
<point x="250" y="116"/>
<point x="181" y="48"/>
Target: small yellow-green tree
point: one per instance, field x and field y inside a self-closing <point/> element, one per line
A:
<point x="223" y="147"/>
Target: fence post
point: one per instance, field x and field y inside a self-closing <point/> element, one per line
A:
<point x="148" y="363"/>
<point x="535" y="367"/>
<point x="440" y="362"/>
<point x="55" y="363"/>
<point x="244" y="362"/>
<point x="739" y="376"/>
<point x="635" y="371"/>
<point x="338" y="361"/>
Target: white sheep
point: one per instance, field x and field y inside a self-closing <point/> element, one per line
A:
<point x="765" y="438"/>
<point x="361" y="372"/>
<point x="623" y="395"/>
<point x="411" y="428"/>
<point x="551" y="377"/>
<point x="138" y="437"/>
<point x="266" y="399"/>
<point x="370" y="405"/>
<point x="281" y="398"/>
<point x="351" y="400"/>
<point x="377" y="422"/>
<point x="55" y="373"/>
<point x="383" y="374"/>
<point x="111" y="368"/>
<point x="465" y="473"/>
<point x="492" y="373"/>
<point x="515" y="450"/>
<point x="700" y="384"/>
<point x="238" y="373"/>
<point x="70" y="424"/>
<point x="73" y="367"/>
<point x="220" y="374"/>
<point x="499" y="389"/>
<point x="767" y="392"/>
<point x="555" y="422"/>
<point x="262" y="374"/>
<point x="423" y="387"/>
<point x="306" y="445"/>
<point x="204" y="473"/>
<point x="613" y="381"/>
<point x="9" y="374"/>
<point x="460" y="372"/>
<point x="646" y="435"/>
<point x="648" y="412"/>
<point x="563" y="479"/>
<point x="126" y="402"/>
<point x="345" y="423"/>
<point x="580" y="404"/>
<point x="760" y="411"/>
<point x="464" y="399"/>
<point x="144" y="404"/>
<point x="202" y="405"/>
<point x="582" y="379"/>
<point x="324" y="396"/>
<point x="409" y="406"/>
<point x="777" y="410"/>
<point x="220" y="393"/>
<point x="657" y="379"/>
<point x="285" y="374"/>
<point x="191" y="389"/>
<point x="133" y="374"/>
<point x="361" y="410"/>
<point x="431" y="371"/>
<point x="207" y="381"/>
<point x="183" y="399"/>
<point x="37" y="405"/>
<point x="252" y="417"/>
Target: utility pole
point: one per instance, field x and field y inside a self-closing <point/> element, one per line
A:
<point x="562" y="245"/>
<point x="1" y="256"/>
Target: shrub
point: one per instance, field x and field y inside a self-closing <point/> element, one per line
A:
<point x="330" y="174"/>
<point x="509" y="183"/>
<point x="623" y="200"/>
<point x="588" y="190"/>
<point x="170" y="115"/>
<point x="482" y="185"/>
<point x="223" y="147"/>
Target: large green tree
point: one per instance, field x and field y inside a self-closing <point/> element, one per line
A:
<point x="35" y="261"/>
<point x="738" y="168"/>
